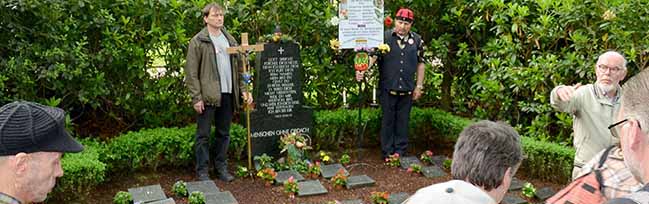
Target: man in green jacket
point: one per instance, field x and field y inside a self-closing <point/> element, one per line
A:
<point x="593" y="107"/>
<point x="212" y="76"/>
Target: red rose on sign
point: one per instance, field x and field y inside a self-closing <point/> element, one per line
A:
<point x="387" y="21"/>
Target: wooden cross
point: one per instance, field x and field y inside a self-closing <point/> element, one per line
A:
<point x="244" y="49"/>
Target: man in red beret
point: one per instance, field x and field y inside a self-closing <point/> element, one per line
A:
<point x="397" y="83"/>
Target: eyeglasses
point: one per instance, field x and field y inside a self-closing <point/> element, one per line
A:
<point x="612" y="127"/>
<point x="603" y="68"/>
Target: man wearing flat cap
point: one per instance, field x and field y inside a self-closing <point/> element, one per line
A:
<point x="32" y="141"/>
<point x="397" y="84"/>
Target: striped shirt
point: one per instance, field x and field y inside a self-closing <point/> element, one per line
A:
<point x="7" y="199"/>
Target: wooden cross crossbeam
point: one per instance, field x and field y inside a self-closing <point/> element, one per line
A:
<point x="244" y="49"/>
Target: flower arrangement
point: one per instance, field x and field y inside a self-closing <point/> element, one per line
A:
<point x="528" y="190"/>
<point x="340" y="179"/>
<point x="415" y="168"/>
<point x="379" y="197"/>
<point x="242" y="171"/>
<point x="122" y="197"/>
<point x="268" y="175"/>
<point x="196" y="197"/>
<point x="294" y="144"/>
<point x="361" y="60"/>
<point x="314" y="170"/>
<point x="264" y="160"/>
<point x="393" y="160"/>
<point x="324" y="157"/>
<point x="180" y="189"/>
<point x="427" y="157"/>
<point x="384" y="48"/>
<point x="290" y="187"/>
<point x="345" y="159"/>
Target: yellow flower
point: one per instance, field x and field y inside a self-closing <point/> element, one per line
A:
<point x="260" y="174"/>
<point x="384" y="48"/>
<point x="334" y="44"/>
<point x="326" y="158"/>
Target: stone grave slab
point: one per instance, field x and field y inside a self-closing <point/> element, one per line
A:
<point x="166" y="201"/>
<point x="398" y="198"/>
<point x="355" y="201"/>
<point x="545" y="193"/>
<point x="516" y="184"/>
<point x="284" y="175"/>
<point x="438" y="160"/>
<point x="311" y="187"/>
<point x="513" y="200"/>
<point x="207" y="187"/>
<point x="147" y="193"/>
<point x="221" y="198"/>
<point x="406" y="161"/>
<point x="433" y="172"/>
<point x="359" y="181"/>
<point x="330" y="170"/>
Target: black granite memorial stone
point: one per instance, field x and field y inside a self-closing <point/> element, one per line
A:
<point x="279" y="100"/>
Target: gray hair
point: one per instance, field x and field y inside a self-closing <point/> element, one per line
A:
<point x="612" y="53"/>
<point x="483" y="153"/>
<point x="206" y="10"/>
<point x="635" y="99"/>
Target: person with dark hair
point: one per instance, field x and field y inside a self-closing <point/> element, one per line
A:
<point x="486" y="157"/>
<point x="212" y="77"/>
<point x="32" y="141"/>
<point x="593" y="107"/>
<point x="633" y="129"/>
<point x="397" y="82"/>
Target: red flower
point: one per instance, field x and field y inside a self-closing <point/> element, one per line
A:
<point x="387" y="21"/>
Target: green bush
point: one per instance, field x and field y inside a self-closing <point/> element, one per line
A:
<point x="547" y="161"/>
<point x="122" y="197"/>
<point x="82" y="172"/>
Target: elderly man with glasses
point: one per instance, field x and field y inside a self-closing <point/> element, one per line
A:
<point x="593" y="107"/>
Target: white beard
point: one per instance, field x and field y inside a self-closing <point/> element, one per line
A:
<point x="605" y="88"/>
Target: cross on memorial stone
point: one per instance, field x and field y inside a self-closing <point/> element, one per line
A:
<point x="281" y="50"/>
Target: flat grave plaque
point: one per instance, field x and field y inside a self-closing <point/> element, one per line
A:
<point x="330" y="170"/>
<point x="311" y="187"/>
<point x="398" y="198"/>
<point x="221" y="198"/>
<point x="359" y="181"/>
<point x="284" y="175"/>
<point x="147" y="193"/>
<point x="406" y="161"/>
<point x="207" y="187"/>
<point x="433" y="172"/>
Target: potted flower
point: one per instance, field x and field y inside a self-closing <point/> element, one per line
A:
<point x="196" y="197"/>
<point x="345" y="159"/>
<point x="393" y="160"/>
<point x="122" y="197"/>
<point x="379" y="197"/>
<point x="180" y="189"/>
<point x="242" y="171"/>
<point x="339" y="180"/>
<point x="427" y="157"/>
<point x="528" y="190"/>
<point x="268" y="175"/>
<point x="415" y="168"/>
<point x="314" y="170"/>
<point x="324" y="157"/>
<point x="290" y="187"/>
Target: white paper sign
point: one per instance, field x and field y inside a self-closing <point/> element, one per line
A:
<point x="360" y="23"/>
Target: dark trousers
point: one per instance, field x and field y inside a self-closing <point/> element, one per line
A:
<point x="394" y="125"/>
<point x="222" y="117"/>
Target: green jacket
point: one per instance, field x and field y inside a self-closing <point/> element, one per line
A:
<point x="201" y="72"/>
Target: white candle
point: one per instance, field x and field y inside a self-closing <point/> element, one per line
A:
<point x="345" y="96"/>
<point x="374" y="95"/>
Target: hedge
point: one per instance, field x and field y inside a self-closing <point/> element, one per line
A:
<point x="152" y="148"/>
